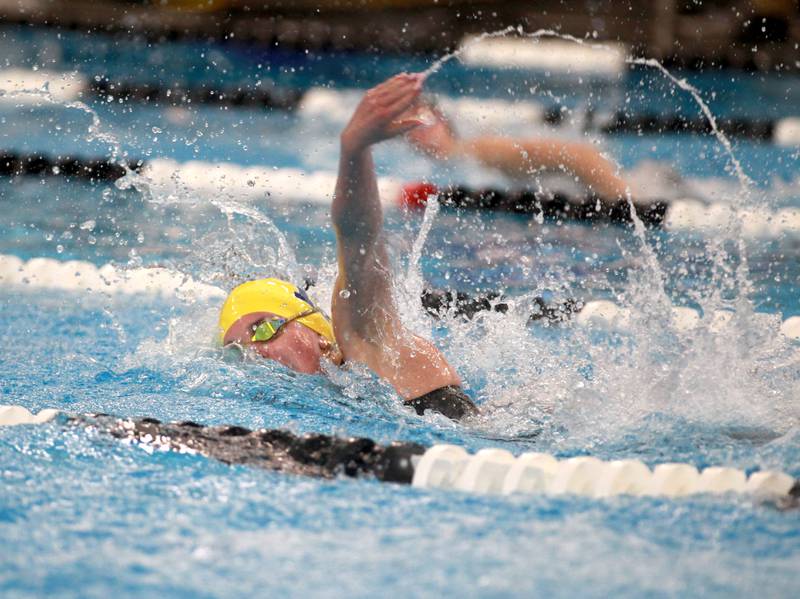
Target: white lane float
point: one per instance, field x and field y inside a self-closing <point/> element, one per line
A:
<point x="553" y="55"/>
<point x="608" y="316"/>
<point x="193" y="179"/>
<point x="715" y="218"/>
<point x="485" y="471"/>
<point x="787" y="131"/>
<point x="496" y="471"/>
<point x="25" y="87"/>
<point x="336" y="106"/>
<point x="532" y="472"/>
<point x="15" y="415"/>
<point x="76" y="275"/>
<point x="442" y="469"/>
<point x="791" y="327"/>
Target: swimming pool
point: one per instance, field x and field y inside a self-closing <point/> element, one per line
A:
<point x="84" y="515"/>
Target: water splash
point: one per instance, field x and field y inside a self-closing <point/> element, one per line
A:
<point x="434" y="68"/>
<point x="178" y="196"/>
<point x="413" y="285"/>
<point x="712" y="373"/>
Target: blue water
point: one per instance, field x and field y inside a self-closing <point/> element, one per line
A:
<point x="86" y="516"/>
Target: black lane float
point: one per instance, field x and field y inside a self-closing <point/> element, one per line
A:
<point x="271" y="97"/>
<point x="621" y="122"/>
<point x="556" y="206"/>
<point x="317" y="455"/>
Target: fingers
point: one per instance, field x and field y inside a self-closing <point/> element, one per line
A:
<point x="404" y="126"/>
<point x="380" y="114"/>
<point x="396" y="88"/>
<point x="404" y="98"/>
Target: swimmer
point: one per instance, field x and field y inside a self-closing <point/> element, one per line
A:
<point x="276" y="320"/>
<point x="518" y="158"/>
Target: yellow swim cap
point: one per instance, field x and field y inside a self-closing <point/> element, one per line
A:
<point x="278" y="297"/>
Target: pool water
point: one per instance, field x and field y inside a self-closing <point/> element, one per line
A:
<point x="84" y="515"/>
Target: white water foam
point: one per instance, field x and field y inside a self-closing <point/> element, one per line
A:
<point x="725" y="365"/>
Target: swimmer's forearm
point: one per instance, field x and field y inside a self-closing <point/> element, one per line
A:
<point x="356" y="210"/>
<point x="521" y="157"/>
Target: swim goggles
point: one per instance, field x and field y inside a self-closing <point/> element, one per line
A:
<point x="266" y="329"/>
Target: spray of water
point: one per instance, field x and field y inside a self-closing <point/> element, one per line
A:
<point x="656" y="367"/>
<point x="591" y="386"/>
<point x="179" y="196"/>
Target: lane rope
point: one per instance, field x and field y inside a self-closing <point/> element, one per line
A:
<point x="82" y="276"/>
<point x="489" y="471"/>
<point x="168" y="177"/>
<point x="17" y="87"/>
<point x="552" y="55"/>
<point x="498" y="472"/>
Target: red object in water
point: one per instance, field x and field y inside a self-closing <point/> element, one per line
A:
<point x="415" y="195"/>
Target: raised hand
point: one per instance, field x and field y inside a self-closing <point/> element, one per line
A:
<point x="435" y="137"/>
<point x="384" y="112"/>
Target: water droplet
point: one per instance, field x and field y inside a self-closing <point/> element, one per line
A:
<point x="344" y="294"/>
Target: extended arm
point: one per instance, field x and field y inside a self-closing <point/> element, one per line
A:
<point x="521" y="157"/>
<point x="366" y="322"/>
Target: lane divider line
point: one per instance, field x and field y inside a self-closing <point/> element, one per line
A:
<point x="22" y="87"/>
<point x="171" y="178"/>
<point x="490" y="471"/>
<point x="81" y="276"/>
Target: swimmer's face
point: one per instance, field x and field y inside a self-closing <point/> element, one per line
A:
<point x="295" y="345"/>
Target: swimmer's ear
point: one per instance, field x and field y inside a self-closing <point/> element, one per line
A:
<point x="233" y="352"/>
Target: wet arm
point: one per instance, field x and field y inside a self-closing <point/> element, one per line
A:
<point x="366" y="323"/>
<point x="358" y="220"/>
<point x="522" y="157"/>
